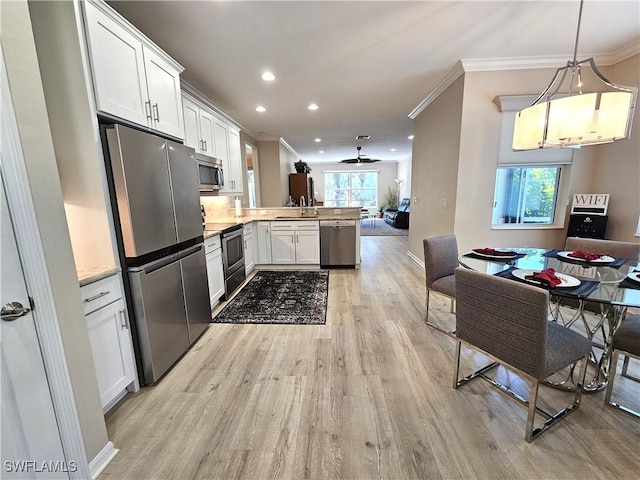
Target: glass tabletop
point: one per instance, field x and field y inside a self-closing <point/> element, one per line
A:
<point x="608" y="291"/>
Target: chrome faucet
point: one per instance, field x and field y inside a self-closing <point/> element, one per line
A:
<point x="302" y="205"/>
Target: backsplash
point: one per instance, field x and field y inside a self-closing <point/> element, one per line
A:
<point x="217" y="207"/>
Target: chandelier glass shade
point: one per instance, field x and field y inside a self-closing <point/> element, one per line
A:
<point x="557" y="121"/>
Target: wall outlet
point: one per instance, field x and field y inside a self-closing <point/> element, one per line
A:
<point x="443" y="203"/>
<point x="415" y="199"/>
<point x="337" y="211"/>
<point x="263" y="212"/>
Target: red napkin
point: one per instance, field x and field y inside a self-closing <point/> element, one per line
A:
<point x="546" y="276"/>
<point x="494" y="252"/>
<point x="585" y="255"/>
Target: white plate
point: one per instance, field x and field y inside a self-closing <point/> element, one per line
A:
<point x="503" y="257"/>
<point x="602" y="259"/>
<point x="567" y="280"/>
<point x="635" y="276"/>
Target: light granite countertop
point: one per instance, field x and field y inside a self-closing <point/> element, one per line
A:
<point x="216" y="226"/>
<point x="93" y="274"/>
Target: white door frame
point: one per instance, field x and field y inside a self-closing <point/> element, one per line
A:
<point x="20" y="203"/>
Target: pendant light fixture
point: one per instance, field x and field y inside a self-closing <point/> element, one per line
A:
<point x="578" y="118"/>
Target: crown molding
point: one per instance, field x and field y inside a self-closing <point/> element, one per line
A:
<point x="513" y="63"/>
<point x="445" y="83"/>
<point x="288" y="147"/>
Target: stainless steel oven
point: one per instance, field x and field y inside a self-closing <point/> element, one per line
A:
<point x="210" y="174"/>
<point x="232" y="258"/>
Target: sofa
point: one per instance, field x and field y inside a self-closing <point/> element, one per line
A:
<point x="398" y="218"/>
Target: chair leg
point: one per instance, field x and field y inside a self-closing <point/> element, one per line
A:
<point x="426" y="308"/>
<point x="456" y="366"/>
<point x="612" y="376"/>
<point x="531" y="416"/>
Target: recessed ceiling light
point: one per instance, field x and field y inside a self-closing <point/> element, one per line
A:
<point x="260" y="109"/>
<point x="312" y="106"/>
<point x="320" y="151"/>
<point x="317" y="140"/>
<point x="268" y="77"/>
<point x="393" y="150"/>
<point x="410" y="137"/>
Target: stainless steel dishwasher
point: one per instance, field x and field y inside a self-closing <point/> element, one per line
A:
<point x="337" y="243"/>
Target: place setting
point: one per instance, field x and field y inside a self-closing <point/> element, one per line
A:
<point x="632" y="280"/>
<point x="495" y="254"/>
<point x="557" y="283"/>
<point x="585" y="258"/>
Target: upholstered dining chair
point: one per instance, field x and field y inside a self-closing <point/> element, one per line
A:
<point x="507" y="321"/>
<point x="612" y="248"/>
<point x="440" y="262"/>
<point x="626" y="341"/>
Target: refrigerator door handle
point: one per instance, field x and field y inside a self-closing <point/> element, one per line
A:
<point x="188" y="253"/>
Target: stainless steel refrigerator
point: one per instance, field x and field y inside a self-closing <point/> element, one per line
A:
<point x="156" y="204"/>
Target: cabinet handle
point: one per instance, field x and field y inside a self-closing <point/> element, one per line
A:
<point x="95" y="297"/>
<point x="147" y="109"/>
<point x="157" y="112"/>
<point x="123" y="319"/>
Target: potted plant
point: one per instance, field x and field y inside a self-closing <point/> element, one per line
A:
<point x="381" y="208"/>
<point x="392" y="197"/>
<point x="301" y="167"/>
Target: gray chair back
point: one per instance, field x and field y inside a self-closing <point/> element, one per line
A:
<point x="440" y="257"/>
<point x="612" y="248"/>
<point x="504" y="318"/>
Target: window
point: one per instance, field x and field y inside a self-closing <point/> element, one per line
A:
<point x="351" y="189"/>
<point x="526" y="195"/>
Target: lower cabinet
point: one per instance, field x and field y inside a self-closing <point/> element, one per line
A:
<point x="215" y="273"/>
<point x="295" y="242"/>
<point x="110" y="337"/>
<point x="249" y="248"/>
<point x="263" y="243"/>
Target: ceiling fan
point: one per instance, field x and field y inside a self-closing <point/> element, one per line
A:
<point x="360" y="159"/>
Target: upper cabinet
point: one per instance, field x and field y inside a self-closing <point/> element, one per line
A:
<point x="208" y="133"/>
<point x="133" y="79"/>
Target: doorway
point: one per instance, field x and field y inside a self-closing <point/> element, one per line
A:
<point x="253" y="175"/>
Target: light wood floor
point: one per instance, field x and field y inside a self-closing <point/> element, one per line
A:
<point x="366" y="396"/>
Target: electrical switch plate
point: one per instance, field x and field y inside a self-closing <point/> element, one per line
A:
<point x="263" y="212"/>
<point x="337" y="211"/>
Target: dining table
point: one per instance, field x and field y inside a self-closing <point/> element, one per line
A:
<point x="593" y="297"/>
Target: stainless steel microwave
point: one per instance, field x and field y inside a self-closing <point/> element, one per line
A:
<point x="210" y="174"/>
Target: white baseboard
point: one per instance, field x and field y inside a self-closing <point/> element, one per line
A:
<point x="99" y="463"/>
<point x="415" y="259"/>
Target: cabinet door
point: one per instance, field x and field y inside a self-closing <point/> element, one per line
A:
<point x="163" y="83"/>
<point x="235" y="161"/>
<point x="117" y="62"/>
<point x="308" y="247"/>
<point x="208" y="146"/>
<point x="111" y="348"/>
<point x="263" y="243"/>
<point x="249" y="249"/>
<point x="215" y="276"/>
<point x="190" y="114"/>
<point x="283" y="247"/>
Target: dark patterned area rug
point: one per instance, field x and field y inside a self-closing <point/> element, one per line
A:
<point x="297" y="298"/>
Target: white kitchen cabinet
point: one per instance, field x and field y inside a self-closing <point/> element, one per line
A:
<point x="110" y="338"/>
<point x="249" y="248"/>
<point x="233" y="174"/>
<point x="133" y="79"/>
<point x="215" y="273"/>
<point x="263" y="243"/>
<point x="198" y="127"/>
<point x="295" y="242"/>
